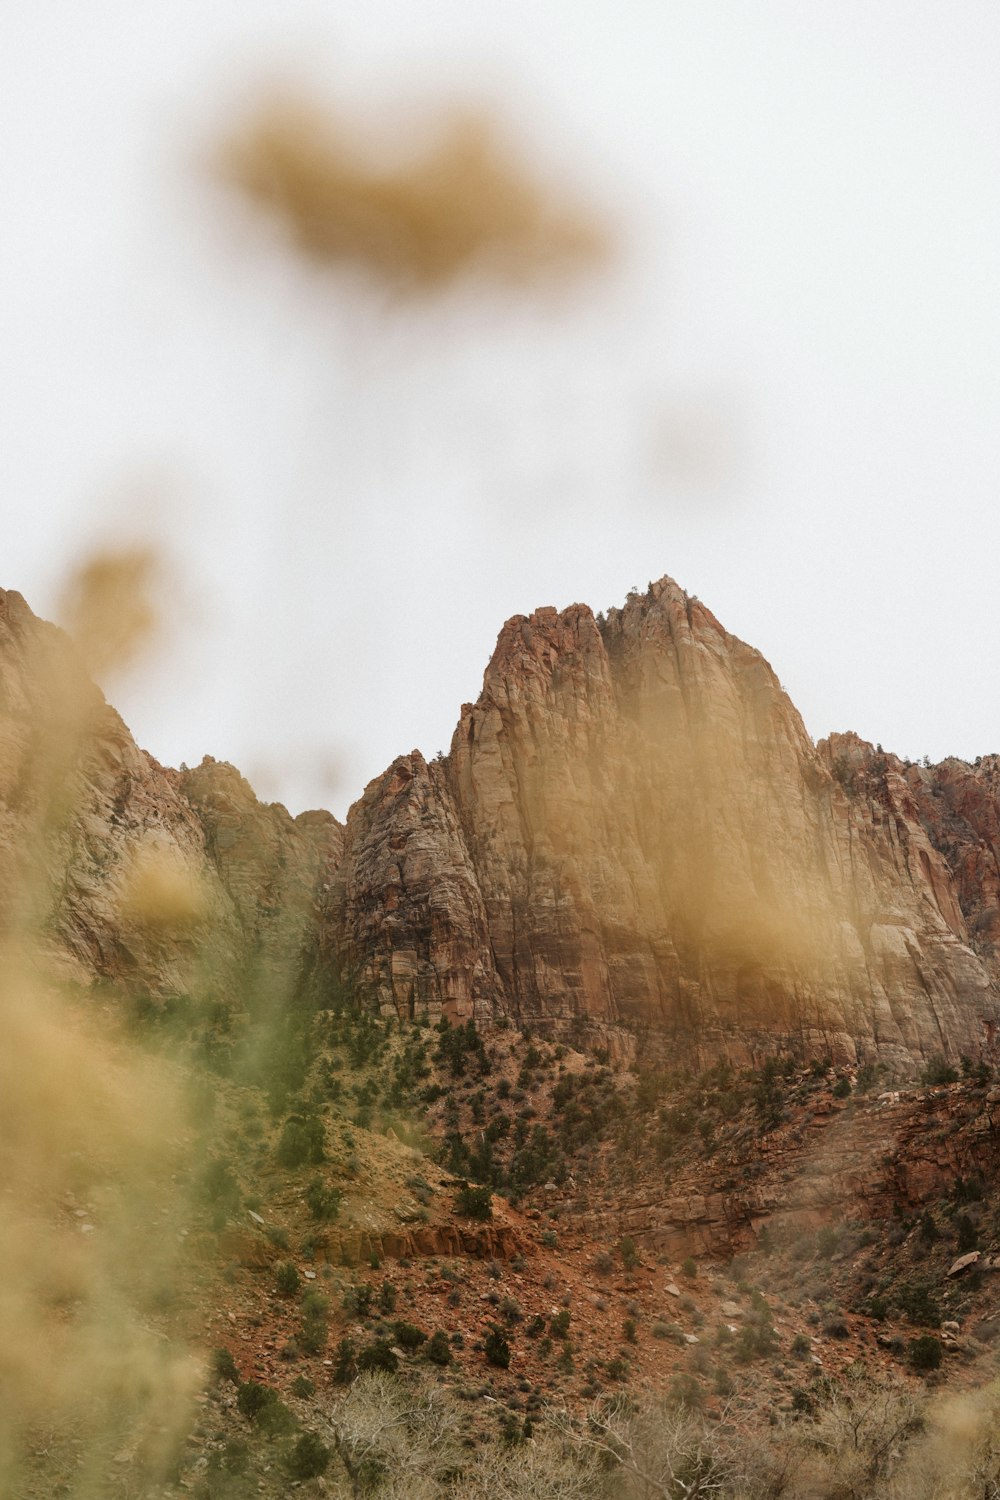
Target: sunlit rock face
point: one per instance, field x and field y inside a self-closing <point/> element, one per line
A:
<point x="631" y="836"/>
<point x="632" y="826"/>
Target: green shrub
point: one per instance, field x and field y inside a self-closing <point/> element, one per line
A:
<point x="685" y="1392"/>
<point x="224" y="1366"/>
<point x="409" y="1336"/>
<point x="218" y="1186"/>
<point x="925" y="1352"/>
<point x="387" y="1297"/>
<point x="346" y="1364"/>
<point x="755" y="1340"/>
<point x="968" y="1237"/>
<point x="629" y="1330"/>
<point x="628" y="1253"/>
<point x="937" y="1071"/>
<point x="309" y="1458"/>
<point x="497" y="1348"/>
<point x="438" y="1349"/>
<point x="827" y="1240"/>
<point x="378" y="1355"/>
<point x="559" y="1324"/>
<point x="475" y="1202"/>
<point x="303" y="1139"/>
<point x="689" y="1267"/>
<point x="842" y="1088"/>
<point x="304" y="1387"/>
<point x="286" y="1279"/>
<point x="510" y="1310"/>
<point x="323" y="1202"/>
<point x="315" y="1322"/>
<point x="252" y="1398"/>
<point x="358" y="1300"/>
<point x="919" y="1304"/>
<point x="234" y="1458"/>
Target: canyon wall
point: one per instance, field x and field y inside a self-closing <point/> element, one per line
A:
<point x="632" y="827"/>
<point x="632" y="836"/>
<point x="170" y="883"/>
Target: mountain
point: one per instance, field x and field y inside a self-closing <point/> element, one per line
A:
<point x="632" y="835"/>
<point x="125" y="870"/>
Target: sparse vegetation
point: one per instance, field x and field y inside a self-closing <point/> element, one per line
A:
<point x="475" y="1202"/>
<point x="497" y="1347"/>
<point x="287" y="1279"/>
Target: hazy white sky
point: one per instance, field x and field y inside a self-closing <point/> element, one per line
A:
<point x="785" y="395"/>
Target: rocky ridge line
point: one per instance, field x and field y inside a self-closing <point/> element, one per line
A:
<point x="632" y="835"/>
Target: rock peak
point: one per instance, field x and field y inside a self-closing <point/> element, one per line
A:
<point x="635" y="829"/>
<point x="632" y="832"/>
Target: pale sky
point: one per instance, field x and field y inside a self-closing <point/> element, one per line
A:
<point x="785" y="394"/>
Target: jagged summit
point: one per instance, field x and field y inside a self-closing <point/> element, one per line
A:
<point x="632" y="829"/>
<point x="633" y="825"/>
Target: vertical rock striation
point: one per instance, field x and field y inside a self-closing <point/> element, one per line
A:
<point x="633" y="827"/>
<point x="632" y="834"/>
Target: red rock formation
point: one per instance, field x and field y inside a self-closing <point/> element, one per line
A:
<point x="959" y="806"/>
<point x="642" y="832"/>
<point x="632" y="833"/>
<point x="415" y="935"/>
<point x="82" y="808"/>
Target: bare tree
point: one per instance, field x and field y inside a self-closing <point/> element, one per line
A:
<point x="957" y="1457"/>
<point x="545" y="1467"/>
<point x="860" y="1434"/>
<point x="395" y="1441"/>
<point x="656" y="1451"/>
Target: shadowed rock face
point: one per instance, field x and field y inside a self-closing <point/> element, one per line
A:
<point x="632" y="831"/>
<point x="82" y="808"/>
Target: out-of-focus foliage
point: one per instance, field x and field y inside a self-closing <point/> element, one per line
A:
<point x="467" y="203"/>
<point x="92" y="1141"/>
<point x="109" y="607"/>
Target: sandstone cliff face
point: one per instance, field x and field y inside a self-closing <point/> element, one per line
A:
<point x="636" y="828"/>
<point x="122" y="869"/>
<point x="959" y="806"/>
<point x="409" y="920"/>
<point x="276" y="872"/>
<point x="631" y="835"/>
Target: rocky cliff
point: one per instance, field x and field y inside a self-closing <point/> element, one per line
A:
<point x="632" y="826"/>
<point x="169" y="882"/>
<point x="632" y="834"/>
